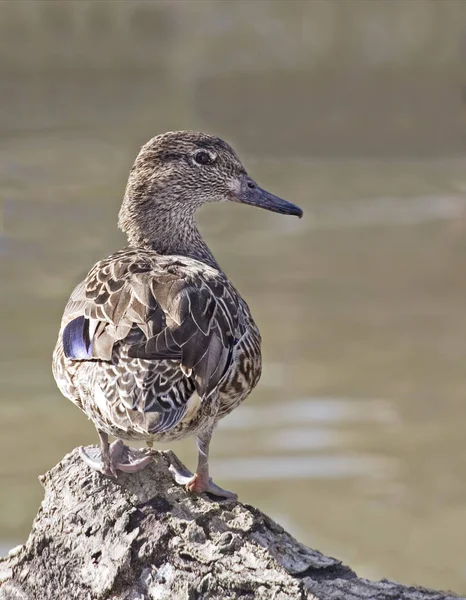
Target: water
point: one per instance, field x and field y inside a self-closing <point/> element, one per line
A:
<point x="354" y="440"/>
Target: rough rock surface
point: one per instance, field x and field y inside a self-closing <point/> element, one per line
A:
<point x="145" y="538"/>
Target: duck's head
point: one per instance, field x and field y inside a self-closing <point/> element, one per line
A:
<point x="179" y="171"/>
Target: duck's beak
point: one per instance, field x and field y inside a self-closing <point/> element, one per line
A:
<point x="251" y="193"/>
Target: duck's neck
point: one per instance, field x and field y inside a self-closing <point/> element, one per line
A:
<point x="168" y="232"/>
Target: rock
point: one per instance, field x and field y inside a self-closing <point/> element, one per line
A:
<point x="142" y="537"/>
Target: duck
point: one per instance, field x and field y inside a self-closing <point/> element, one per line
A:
<point x="156" y="344"/>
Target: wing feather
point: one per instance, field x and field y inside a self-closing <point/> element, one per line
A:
<point x="160" y="310"/>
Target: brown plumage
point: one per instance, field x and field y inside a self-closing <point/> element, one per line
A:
<point x="156" y="344"/>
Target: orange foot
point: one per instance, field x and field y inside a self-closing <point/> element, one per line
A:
<point x="200" y="483"/>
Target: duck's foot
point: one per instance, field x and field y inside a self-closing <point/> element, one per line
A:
<point x="199" y="483"/>
<point x="116" y="457"/>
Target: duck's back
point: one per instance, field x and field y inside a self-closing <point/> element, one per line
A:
<point x="151" y="346"/>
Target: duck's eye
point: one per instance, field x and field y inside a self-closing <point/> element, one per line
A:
<point x="203" y="158"/>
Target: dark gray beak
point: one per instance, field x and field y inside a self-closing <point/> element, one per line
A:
<point x="254" y="195"/>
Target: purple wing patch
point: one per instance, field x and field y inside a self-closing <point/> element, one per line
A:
<point x="76" y="342"/>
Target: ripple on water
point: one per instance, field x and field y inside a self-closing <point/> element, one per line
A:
<point x="311" y="410"/>
<point x="294" y="440"/>
<point x="305" y="467"/>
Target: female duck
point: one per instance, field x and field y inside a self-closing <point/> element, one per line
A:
<point x="156" y="344"/>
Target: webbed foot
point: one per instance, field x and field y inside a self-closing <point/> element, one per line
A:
<point x="110" y="459"/>
<point x="199" y="483"/>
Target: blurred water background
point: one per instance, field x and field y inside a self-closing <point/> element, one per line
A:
<point x="355" y="110"/>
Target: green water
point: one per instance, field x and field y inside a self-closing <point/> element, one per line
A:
<point x="354" y="440"/>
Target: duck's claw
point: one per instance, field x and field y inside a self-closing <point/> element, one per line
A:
<point x="118" y="458"/>
<point x="199" y="483"/>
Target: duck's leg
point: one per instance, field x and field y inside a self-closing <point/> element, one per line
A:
<point x="114" y="457"/>
<point x="201" y="481"/>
